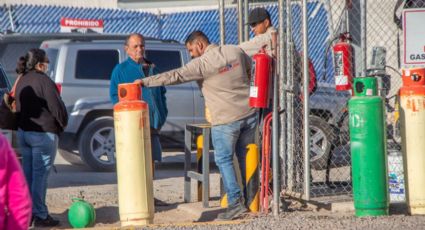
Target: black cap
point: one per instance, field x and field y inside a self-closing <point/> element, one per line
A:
<point x="257" y="15"/>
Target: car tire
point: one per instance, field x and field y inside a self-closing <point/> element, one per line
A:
<point x="71" y="157"/>
<point x="97" y="144"/>
<point x="321" y="139"/>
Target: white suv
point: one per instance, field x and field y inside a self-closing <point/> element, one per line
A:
<point x="82" y="70"/>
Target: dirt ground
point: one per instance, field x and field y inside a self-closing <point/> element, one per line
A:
<point x="100" y="189"/>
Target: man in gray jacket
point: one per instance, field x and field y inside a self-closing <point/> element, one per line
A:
<point x="222" y="73"/>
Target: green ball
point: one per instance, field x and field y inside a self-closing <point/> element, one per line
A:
<point x="81" y="214"/>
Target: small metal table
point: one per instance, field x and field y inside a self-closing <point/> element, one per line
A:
<point x="203" y="176"/>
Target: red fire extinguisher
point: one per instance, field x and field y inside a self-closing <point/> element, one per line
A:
<point x="260" y="79"/>
<point x="343" y="63"/>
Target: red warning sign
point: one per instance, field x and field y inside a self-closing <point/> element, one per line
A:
<point x="81" y="25"/>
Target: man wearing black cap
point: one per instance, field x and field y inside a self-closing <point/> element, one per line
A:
<point x="261" y="25"/>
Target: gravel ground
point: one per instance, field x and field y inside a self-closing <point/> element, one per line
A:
<point x="317" y="220"/>
<point x="100" y="189"/>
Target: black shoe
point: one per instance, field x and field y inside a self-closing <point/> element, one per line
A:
<point x="158" y="202"/>
<point x="233" y="211"/>
<point x="48" y="222"/>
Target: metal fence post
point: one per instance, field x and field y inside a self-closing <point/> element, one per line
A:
<point x="246" y="13"/>
<point x="363" y="32"/>
<point x="289" y="99"/>
<point x="306" y="106"/>
<point x="9" y="12"/>
<point x="240" y="21"/>
<point x="222" y="28"/>
<point x="278" y="98"/>
<point x="160" y="23"/>
<point x="282" y="90"/>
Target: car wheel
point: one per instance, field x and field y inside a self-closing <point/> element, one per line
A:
<point x="97" y="144"/>
<point x="70" y="157"/>
<point x="321" y="139"/>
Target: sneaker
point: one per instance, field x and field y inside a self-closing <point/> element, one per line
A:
<point x="234" y="211"/>
<point x="48" y="222"/>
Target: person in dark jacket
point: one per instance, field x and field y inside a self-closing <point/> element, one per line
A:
<point x="41" y="117"/>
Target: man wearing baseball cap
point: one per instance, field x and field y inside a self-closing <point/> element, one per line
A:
<point x="261" y="25"/>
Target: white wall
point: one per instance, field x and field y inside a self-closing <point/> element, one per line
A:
<point x="74" y="3"/>
<point x="150" y="4"/>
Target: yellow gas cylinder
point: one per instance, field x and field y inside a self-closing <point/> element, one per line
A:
<point x="134" y="159"/>
<point x="412" y="102"/>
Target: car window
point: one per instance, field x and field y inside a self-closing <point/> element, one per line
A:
<point x="96" y="64"/>
<point x="4" y="83"/>
<point x="52" y="54"/>
<point x="10" y="53"/>
<point x="164" y="60"/>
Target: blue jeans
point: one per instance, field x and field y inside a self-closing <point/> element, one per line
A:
<point x="156" y="148"/>
<point x="38" y="151"/>
<point x="228" y="139"/>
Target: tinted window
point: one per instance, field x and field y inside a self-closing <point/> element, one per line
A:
<point x="4" y="86"/>
<point x="52" y="54"/>
<point x="3" y="80"/>
<point x="164" y="60"/>
<point x="96" y="64"/>
<point x="10" y="53"/>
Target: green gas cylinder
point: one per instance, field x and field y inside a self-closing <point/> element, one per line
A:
<point x="368" y="149"/>
<point x="81" y="214"/>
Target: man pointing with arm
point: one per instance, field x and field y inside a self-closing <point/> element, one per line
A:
<point x="222" y="73"/>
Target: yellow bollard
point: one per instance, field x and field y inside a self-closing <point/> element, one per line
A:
<point x="252" y="178"/>
<point x="412" y="121"/>
<point x="134" y="158"/>
<point x="223" y="201"/>
<point x="199" y="147"/>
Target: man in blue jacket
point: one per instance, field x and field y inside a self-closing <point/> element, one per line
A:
<point x="135" y="67"/>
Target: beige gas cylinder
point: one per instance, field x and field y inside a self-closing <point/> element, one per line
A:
<point x="412" y="102"/>
<point x="134" y="158"/>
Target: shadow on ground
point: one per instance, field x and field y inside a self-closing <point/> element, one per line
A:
<point x="104" y="216"/>
<point x="209" y="215"/>
<point x="70" y="176"/>
<point x="398" y="209"/>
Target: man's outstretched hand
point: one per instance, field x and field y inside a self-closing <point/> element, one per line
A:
<point x="138" y="81"/>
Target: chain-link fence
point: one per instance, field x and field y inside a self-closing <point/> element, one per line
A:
<point x="330" y="157"/>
